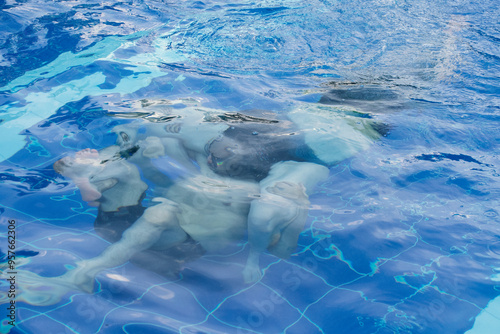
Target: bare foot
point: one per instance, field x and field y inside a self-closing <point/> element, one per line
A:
<point x="40" y="291"/>
<point x="79" y="169"/>
<point x="87" y="155"/>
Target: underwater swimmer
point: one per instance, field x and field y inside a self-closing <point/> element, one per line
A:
<point x="285" y="154"/>
<point x="243" y="174"/>
<point x="210" y="212"/>
<point x="283" y="160"/>
<point x="120" y="191"/>
<point x="273" y="150"/>
<point x="272" y="153"/>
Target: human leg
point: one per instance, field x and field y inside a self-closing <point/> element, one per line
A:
<point x="276" y="219"/>
<point x="158" y="224"/>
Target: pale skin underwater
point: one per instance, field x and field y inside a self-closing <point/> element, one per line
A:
<point x="208" y="206"/>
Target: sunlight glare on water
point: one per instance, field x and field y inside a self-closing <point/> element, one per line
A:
<point x="399" y="99"/>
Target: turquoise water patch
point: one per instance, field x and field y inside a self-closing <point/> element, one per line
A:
<point x="487" y="321"/>
<point x="38" y="106"/>
<point x="397" y="99"/>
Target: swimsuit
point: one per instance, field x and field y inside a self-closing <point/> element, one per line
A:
<point x="248" y="149"/>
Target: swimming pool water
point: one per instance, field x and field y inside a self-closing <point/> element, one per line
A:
<point x="402" y="238"/>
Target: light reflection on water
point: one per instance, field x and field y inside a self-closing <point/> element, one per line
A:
<point x="401" y="237"/>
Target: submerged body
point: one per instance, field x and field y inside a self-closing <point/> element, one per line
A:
<point x="218" y="176"/>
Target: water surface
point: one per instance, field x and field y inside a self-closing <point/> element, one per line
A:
<point x="401" y="238"/>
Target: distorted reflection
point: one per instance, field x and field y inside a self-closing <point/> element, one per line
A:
<point x="217" y="177"/>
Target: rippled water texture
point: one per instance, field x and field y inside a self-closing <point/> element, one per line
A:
<point x="403" y="237"/>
